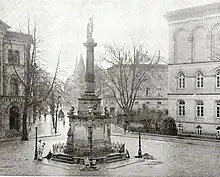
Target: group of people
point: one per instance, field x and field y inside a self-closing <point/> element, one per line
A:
<point x="58" y="147"/>
<point x="118" y="147"/>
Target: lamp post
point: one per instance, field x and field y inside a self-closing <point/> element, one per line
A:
<point x="35" y="154"/>
<point x="58" y="102"/>
<point x="139" y="146"/>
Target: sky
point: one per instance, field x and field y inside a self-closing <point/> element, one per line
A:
<point x="62" y="25"/>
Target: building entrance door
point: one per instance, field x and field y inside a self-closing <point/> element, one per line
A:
<point x="14" y="118"/>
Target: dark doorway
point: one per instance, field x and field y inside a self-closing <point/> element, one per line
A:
<point x="112" y="111"/>
<point x="14" y="118"/>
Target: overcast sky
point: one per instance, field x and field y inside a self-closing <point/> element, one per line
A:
<point x="63" y="23"/>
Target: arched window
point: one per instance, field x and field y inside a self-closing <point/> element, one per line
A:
<point x="182" y="46"/>
<point x="217" y="78"/>
<point x="216" y="42"/>
<point x="200" y="44"/>
<point x="199" y="109"/>
<point x="14" y="85"/>
<point x="199" y="79"/>
<point x="181" y="81"/>
<point x="181" y="108"/>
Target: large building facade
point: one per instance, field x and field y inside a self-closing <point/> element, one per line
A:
<point x="152" y="92"/>
<point x="12" y="54"/>
<point x="194" y="69"/>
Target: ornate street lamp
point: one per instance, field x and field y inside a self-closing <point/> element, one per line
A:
<point x="139" y="146"/>
<point x="58" y="103"/>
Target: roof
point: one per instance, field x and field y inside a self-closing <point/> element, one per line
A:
<point x="12" y="35"/>
<point x="4" y="24"/>
<point x="165" y="66"/>
<point x="193" y="12"/>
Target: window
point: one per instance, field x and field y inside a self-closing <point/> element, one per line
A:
<point x="13" y="57"/>
<point x="181" y="81"/>
<point x="199" y="80"/>
<point x="218" y="131"/>
<point x="200" y="109"/>
<point x="218" y="109"/>
<point x="158" y="92"/>
<point x="180" y="128"/>
<point x="147" y="91"/>
<point x="199" y="129"/>
<point x="217" y="76"/>
<point x="136" y="102"/>
<point x="10" y="56"/>
<point x="182" y="108"/>
<point x="14" y="86"/>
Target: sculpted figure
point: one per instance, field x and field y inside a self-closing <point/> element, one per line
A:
<point x="90" y="27"/>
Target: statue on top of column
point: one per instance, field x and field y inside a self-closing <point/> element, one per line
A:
<point x="90" y="27"/>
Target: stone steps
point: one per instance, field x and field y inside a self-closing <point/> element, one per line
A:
<point x="80" y="160"/>
<point x="115" y="158"/>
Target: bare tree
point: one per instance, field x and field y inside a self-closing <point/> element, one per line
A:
<point x="130" y="67"/>
<point x="56" y="100"/>
<point x="29" y="81"/>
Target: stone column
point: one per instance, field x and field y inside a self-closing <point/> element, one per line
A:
<point x="90" y="76"/>
<point x="190" y="40"/>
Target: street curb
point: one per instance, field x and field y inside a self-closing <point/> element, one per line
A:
<point x="30" y="138"/>
<point x="46" y="136"/>
<point x="126" y="164"/>
<point x="13" y="139"/>
<point x="154" y="137"/>
<point x="178" y="137"/>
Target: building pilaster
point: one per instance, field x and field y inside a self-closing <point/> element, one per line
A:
<point x="190" y="40"/>
<point x="209" y="46"/>
<point x="1" y="64"/>
<point x="173" y="51"/>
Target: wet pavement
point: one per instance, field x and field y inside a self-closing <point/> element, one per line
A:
<point x="174" y="157"/>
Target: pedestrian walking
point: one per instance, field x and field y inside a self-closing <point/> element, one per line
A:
<point x="117" y="147"/>
<point x="41" y="150"/>
<point x="45" y="116"/>
<point x="64" y="121"/>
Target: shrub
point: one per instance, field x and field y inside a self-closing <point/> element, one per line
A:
<point x="11" y="133"/>
<point x="168" y="126"/>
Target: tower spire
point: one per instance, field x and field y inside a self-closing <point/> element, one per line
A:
<point x="76" y="66"/>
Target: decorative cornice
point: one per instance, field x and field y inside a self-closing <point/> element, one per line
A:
<point x="190" y="122"/>
<point x="191" y="63"/>
<point x="193" y="12"/>
<point x="213" y="93"/>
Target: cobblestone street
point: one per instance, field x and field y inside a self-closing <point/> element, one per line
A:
<point x="174" y="157"/>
